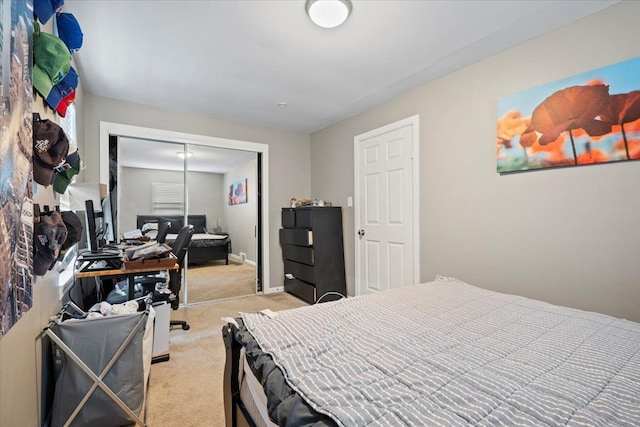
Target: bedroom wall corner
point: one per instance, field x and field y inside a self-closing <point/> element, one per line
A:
<point x="564" y="236"/>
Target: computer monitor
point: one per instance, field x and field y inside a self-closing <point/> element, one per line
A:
<point x="100" y="230"/>
<point x="108" y="221"/>
<point x="92" y="227"/>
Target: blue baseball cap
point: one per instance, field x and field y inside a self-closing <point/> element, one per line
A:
<point x="44" y="9"/>
<point x="69" y="31"/>
<point x="64" y="88"/>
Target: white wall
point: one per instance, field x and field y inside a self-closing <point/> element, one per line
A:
<point x="240" y="220"/>
<point x="135" y="197"/>
<point x="566" y="236"/>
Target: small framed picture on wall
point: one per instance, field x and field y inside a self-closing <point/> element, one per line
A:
<point x="238" y="192"/>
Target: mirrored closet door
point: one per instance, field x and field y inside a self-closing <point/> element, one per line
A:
<point x="213" y="189"/>
<point x="222" y="205"/>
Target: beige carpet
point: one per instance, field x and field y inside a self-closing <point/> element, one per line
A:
<point x="186" y="391"/>
<point x="218" y="281"/>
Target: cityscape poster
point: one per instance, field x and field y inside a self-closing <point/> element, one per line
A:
<point x="16" y="205"/>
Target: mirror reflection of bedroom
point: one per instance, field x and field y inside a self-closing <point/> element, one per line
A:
<point x="161" y="181"/>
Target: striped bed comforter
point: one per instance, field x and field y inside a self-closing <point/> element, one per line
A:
<point x="451" y="354"/>
<point x="202" y="240"/>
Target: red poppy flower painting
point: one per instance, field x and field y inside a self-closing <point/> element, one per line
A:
<point x="590" y="118"/>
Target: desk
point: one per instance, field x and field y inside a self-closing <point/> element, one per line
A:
<point x="129" y="273"/>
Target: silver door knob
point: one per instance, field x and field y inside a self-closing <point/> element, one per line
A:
<point x="360" y="232"/>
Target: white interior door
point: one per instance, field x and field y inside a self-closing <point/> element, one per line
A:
<point x="386" y="207"/>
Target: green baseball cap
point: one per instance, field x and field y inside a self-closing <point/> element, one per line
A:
<point x="52" y="60"/>
<point x="65" y="173"/>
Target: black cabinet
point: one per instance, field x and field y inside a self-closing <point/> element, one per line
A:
<point x="313" y="253"/>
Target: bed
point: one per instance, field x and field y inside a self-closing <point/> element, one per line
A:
<point x="440" y="353"/>
<point x="204" y="247"/>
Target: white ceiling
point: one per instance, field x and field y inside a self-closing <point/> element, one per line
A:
<point x="142" y="153"/>
<point x="237" y="60"/>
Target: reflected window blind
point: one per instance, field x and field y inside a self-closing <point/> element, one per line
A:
<point x="167" y="199"/>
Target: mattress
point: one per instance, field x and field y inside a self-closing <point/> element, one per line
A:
<point x="446" y="353"/>
<point x="283" y="403"/>
<point x="252" y="394"/>
<point x="202" y="240"/>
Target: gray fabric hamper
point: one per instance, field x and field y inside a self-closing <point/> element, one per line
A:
<point x="96" y="342"/>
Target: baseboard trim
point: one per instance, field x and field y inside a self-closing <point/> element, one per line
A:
<point x="238" y="259"/>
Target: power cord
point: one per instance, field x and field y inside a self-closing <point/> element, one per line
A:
<point x="330" y="293"/>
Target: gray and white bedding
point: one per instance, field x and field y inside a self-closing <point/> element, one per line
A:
<point x="451" y="354"/>
<point x="202" y="240"/>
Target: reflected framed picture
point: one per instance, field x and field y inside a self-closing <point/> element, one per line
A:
<point x="238" y="192"/>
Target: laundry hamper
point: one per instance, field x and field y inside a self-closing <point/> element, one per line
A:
<point x="101" y="367"/>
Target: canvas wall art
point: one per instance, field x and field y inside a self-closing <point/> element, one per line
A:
<point x="16" y="148"/>
<point x="593" y="117"/>
<point x="238" y="192"/>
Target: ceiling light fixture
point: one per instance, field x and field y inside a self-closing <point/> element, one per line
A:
<point x="328" y="13"/>
<point x="182" y="154"/>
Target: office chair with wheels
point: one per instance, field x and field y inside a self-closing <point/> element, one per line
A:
<point x="163" y="230"/>
<point x="147" y="284"/>
<point x="179" y="248"/>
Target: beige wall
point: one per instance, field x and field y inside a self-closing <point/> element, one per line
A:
<point x="135" y="194"/>
<point x="21" y="349"/>
<point x="240" y="220"/>
<point x="566" y="236"/>
<point x="288" y="152"/>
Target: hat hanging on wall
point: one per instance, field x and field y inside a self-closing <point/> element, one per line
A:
<point x="44" y="9"/>
<point x="50" y="149"/>
<point x="69" y="31"/>
<point x="63" y="93"/>
<point x="51" y="61"/>
<point x="65" y="103"/>
<point x="65" y="173"/>
<point x="74" y="230"/>
<point x="49" y="235"/>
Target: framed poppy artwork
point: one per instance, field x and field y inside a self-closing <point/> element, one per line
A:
<point x="238" y="192"/>
<point x="593" y="117"/>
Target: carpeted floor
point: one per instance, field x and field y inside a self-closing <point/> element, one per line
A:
<point x="186" y="391"/>
<point x="216" y="280"/>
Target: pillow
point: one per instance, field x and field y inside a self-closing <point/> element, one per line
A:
<point x="149" y="226"/>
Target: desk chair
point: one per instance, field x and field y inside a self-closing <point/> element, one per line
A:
<point x="179" y="249"/>
<point x="163" y="230"/>
<point x="147" y="284"/>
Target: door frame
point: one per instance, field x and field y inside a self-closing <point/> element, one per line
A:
<point x="118" y="129"/>
<point x="414" y="122"/>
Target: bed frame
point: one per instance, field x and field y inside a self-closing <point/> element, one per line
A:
<point x="235" y="413"/>
<point x="197" y="255"/>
